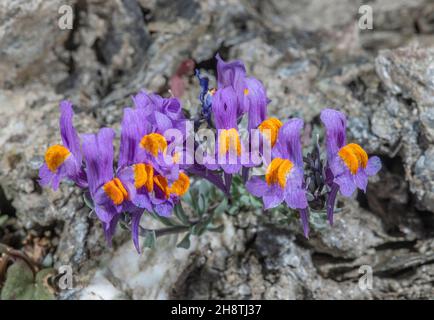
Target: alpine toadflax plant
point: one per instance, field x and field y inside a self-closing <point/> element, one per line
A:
<point x="162" y="164"/>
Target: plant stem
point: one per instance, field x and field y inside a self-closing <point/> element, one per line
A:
<point x="164" y="231"/>
<point x="18" y="254"/>
<point x="330" y="203"/>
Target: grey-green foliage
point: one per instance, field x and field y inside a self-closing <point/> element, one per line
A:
<point x="20" y="283"/>
<point x="242" y="200"/>
<point x="3" y="219"/>
<point x="150" y="240"/>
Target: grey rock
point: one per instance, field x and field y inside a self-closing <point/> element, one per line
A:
<point x="29" y="35"/>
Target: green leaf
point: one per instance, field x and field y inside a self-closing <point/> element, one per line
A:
<point x="202" y="205"/>
<point x="21" y="285"/>
<point x="123" y="226"/>
<point x="88" y="200"/>
<point x="150" y="240"/>
<point x="3" y="219"/>
<point x="222" y="207"/>
<point x="199" y="228"/>
<point x="244" y="200"/>
<point x="42" y="291"/>
<point x="194" y="230"/>
<point x="194" y="201"/>
<point x="19" y="282"/>
<point x="233" y="210"/>
<point x="185" y="242"/>
<point x="318" y="219"/>
<point x="180" y="214"/>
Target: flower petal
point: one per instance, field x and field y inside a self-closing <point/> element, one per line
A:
<point x="373" y="166"/>
<point x="337" y="166"/>
<point x="134" y="127"/>
<point x="110" y="228"/>
<point x="335" y="125"/>
<point x="361" y="179"/>
<point x="304" y="217"/>
<point x="45" y="175"/>
<point x="104" y="215"/>
<point x="162" y="122"/>
<point x="98" y="156"/>
<point x="230" y="73"/>
<point x="142" y="200"/>
<point x="145" y="101"/>
<point x="296" y="199"/>
<point x="69" y="135"/>
<point x="346" y="184"/>
<point x="172" y="108"/>
<point x="255" y="102"/>
<point x="257" y="186"/>
<point x="164" y="209"/>
<point x="224" y="107"/>
<point x="289" y="141"/>
<point x="273" y="197"/>
<point x="135" y="224"/>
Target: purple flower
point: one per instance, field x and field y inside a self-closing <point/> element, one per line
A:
<point x="162" y="113"/>
<point x="134" y="163"/>
<point x="249" y="97"/>
<point x="250" y="92"/>
<point x="142" y="155"/>
<point x="228" y="149"/>
<point x="232" y="74"/>
<point x="167" y="195"/>
<point x="284" y="175"/>
<point x="111" y="195"/>
<point x="348" y="165"/>
<point x="255" y="102"/>
<point x="134" y="127"/>
<point x="157" y="185"/>
<point x="64" y="161"/>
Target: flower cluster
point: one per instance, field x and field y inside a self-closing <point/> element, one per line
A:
<point x="157" y="156"/>
<point x="147" y="176"/>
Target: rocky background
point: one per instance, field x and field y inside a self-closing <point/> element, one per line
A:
<point x="310" y="54"/>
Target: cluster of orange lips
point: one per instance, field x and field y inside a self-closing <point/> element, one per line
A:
<point x="352" y="155"/>
<point x="144" y="175"/>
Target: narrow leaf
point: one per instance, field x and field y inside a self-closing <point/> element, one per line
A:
<point x="150" y="240"/>
<point x="185" y="242"/>
<point x="180" y="214"/>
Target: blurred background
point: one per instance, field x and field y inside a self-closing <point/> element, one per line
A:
<point x="309" y="54"/>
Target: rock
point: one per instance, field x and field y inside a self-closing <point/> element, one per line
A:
<point x="353" y="234"/>
<point x="29" y="37"/>
<point x="407" y="72"/>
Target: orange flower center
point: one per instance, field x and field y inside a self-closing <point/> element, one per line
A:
<point x="353" y="156"/>
<point x="246" y="91"/>
<point x="271" y="125"/>
<point x="115" y="191"/>
<point x="162" y="183"/>
<point x="277" y="171"/>
<point x="55" y="156"/>
<point x="154" y="143"/>
<point x="180" y="186"/>
<point x="144" y="176"/>
<point x="229" y="140"/>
